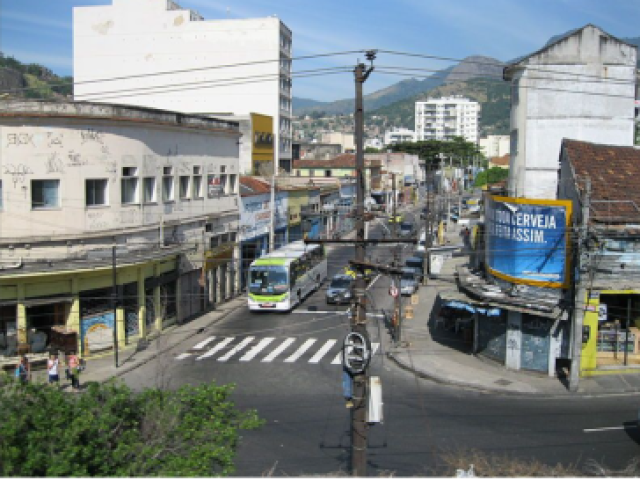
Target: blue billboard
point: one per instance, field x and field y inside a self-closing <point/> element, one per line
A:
<point x="528" y="240"/>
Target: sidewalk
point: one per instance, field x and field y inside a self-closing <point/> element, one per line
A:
<point x="444" y="357"/>
<point x="102" y="368"/>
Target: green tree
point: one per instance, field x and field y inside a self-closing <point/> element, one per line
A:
<point x="493" y="175"/>
<point x="109" y="430"/>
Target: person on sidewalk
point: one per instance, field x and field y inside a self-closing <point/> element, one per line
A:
<point x="73" y="363"/>
<point x="53" y="366"/>
<point x="23" y="370"/>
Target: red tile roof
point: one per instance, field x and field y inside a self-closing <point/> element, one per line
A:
<point x="346" y="160"/>
<point x="253" y="186"/>
<point x="615" y="178"/>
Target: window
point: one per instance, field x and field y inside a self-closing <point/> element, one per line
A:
<point x="184" y="187"/>
<point x="167" y="170"/>
<point x="327" y="173"/>
<point x="197" y="187"/>
<point x="149" y="190"/>
<point x="45" y="194"/>
<point x="167" y="189"/>
<point x="96" y="192"/>
<point x="223" y="184"/>
<point x="233" y="184"/>
<point x="129" y="183"/>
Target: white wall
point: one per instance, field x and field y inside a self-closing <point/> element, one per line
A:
<point x="140" y="37"/>
<point x="494" y="145"/>
<point x="567" y="92"/>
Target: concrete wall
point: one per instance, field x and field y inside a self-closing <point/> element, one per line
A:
<point x="582" y="88"/>
<point x="140" y="39"/>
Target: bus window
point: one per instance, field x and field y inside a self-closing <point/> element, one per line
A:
<point x="268" y="279"/>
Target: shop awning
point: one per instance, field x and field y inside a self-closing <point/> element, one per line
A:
<point x="457" y="305"/>
<point x="459" y="298"/>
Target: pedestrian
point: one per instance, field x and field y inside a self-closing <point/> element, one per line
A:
<point x="73" y="363"/>
<point x="23" y="370"/>
<point x="53" y="365"/>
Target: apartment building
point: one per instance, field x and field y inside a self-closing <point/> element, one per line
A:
<point x="495" y="145"/>
<point x="95" y="197"/>
<point x="154" y="53"/>
<point x="399" y="135"/>
<point x="447" y="117"/>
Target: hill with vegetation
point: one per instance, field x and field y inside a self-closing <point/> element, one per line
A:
<point x="22" y="80"/>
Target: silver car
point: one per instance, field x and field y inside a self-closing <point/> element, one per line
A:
<point x="339" y="290"/>
<point x="408" y="282"/>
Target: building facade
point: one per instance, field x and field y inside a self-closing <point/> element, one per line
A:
<point x="164" y="56"/>
<point x="93" y="192"/>
<point x="256" y="144"/>
<point x="346" y="140"/>
<point x="582" y="86"/>
<point x="447" y="117"/>
<point x="399" y="135"/>
<point x="495" y="145"/>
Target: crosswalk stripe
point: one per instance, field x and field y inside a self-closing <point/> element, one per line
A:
<point x="338" y="359"/>
<point x="374" y="348"/>
<point x="182" y="356"/>
<point x="236" y="349"/>
<point x="283" y="346"/>
<point x="203" y="343"/>
<point x="257" y="349"/>
<point x="217" y="348"/>
<point x="305" y="346"/>
<point x="322" y="352"/>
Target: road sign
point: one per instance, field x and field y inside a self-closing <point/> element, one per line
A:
<point x="393" y="291"/>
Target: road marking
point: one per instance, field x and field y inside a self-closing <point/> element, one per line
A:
<point x="335" y="312"/>
<point x="257" y="349"/>
<point x="182" y="356"/>
<point x="374" y="348"/>
<point x="338" y="359"/>
<point x="322" y="352"/>
<point x="283" y="346"/>
<point x="236" y="349"/>
<point x="602" y="429"/>
<point x="305" y="346"/>
<point x="374" y="281"/>
<point x="217" y="348"/>
<point x="203" y="343"/>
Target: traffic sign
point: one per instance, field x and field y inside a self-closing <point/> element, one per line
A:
<point x="393" y="291"/>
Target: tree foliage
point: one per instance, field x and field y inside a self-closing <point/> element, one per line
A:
<point x="109" y="430"/>
<point x="493" y="175"/>
<point x="433" y="152"/>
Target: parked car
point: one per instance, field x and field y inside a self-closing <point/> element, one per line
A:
<point x="416" y="264"/>
<point x="339" y="290"/>
<point x="422" y="243"/>
<point x="406" y="229"/>
<point x="408" y="282"/>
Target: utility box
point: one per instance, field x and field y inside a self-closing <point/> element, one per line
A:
<point x="375" y="407"/>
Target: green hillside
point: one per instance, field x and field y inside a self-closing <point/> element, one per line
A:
<point x="21" y="80"/>
<point x="493" y="96"/>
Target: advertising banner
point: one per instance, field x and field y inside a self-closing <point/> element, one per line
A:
<point x="528" y="240"/>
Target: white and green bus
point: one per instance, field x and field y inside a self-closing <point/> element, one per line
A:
<point x="281" y="279"/>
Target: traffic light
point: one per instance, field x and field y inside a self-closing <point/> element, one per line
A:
<point x="356" y="352"/>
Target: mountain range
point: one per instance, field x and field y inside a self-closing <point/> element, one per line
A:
<point x="471" y="77"/>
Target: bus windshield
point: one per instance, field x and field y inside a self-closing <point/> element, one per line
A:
<point x="268" y="279"/>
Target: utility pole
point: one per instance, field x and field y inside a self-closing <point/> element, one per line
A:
<point x="579" y="292"/>
<point x="272" y="217"/>
<point x="114" y="304"/>
<point x="395" y="202"/>
<point x="359" y="315"/>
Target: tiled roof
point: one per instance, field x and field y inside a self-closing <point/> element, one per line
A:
<point x="346" y="160"/>
<point x="503" y="160"/>
<point x="615" y="178"/>
<point x="253" y="186"/>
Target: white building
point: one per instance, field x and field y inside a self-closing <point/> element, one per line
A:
<point x="373" y="143"/>
<point x="76" y="180"/>
<point x="495" y="145"/>
<point x="447" y="117"/>
<point x="399" y="135"/>
<point x="580" y="87"/>
<point x="159" y="55"/>
<point x="345" y="139"/>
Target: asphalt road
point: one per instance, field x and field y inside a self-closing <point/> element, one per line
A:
<point x="298" y="393"/>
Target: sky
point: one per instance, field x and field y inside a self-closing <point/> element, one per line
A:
<point x="40" y="31"/>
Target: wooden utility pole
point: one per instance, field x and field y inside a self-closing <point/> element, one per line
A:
<point x="359" y="316"/>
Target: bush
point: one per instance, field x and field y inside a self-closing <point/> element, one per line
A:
<point x="109" y="430"/>
<point x="493" y="175"/>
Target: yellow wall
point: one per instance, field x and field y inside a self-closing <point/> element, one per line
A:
<point x="262" y="152"/>
<point x="297" y="198"/>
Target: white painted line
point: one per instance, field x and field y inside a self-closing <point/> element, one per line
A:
<point x="203" y="343"/>
<point x="182" y="356"/>
<point x="335" y="312"/>
<point x="587" y="430"/>
<point x="283" y="346"/>
<point x="338" y="359"/>
<point x="217" y="348"/>
<point x="323" y="351"/>
<point x="257" y="349"/>
<point x="298" y="353"/>
<point x="374" y="281"/>
<point x="236" y="349"/>
<point x="374" y="348"/>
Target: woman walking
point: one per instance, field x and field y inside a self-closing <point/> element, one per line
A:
<point x="23" y="370"/>
<point x="53" y="365"/>
<point x="73" y="363"/>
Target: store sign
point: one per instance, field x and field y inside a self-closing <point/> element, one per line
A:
<point x="214" y="187"/>
<point x="528" y="240"/>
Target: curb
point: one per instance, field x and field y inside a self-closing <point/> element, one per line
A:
<point x="126" y="370"/>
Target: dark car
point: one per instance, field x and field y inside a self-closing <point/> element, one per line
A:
<point x="339" y="291"/>
<point x="406" y="229"/>
<point x="417" y="265"/>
